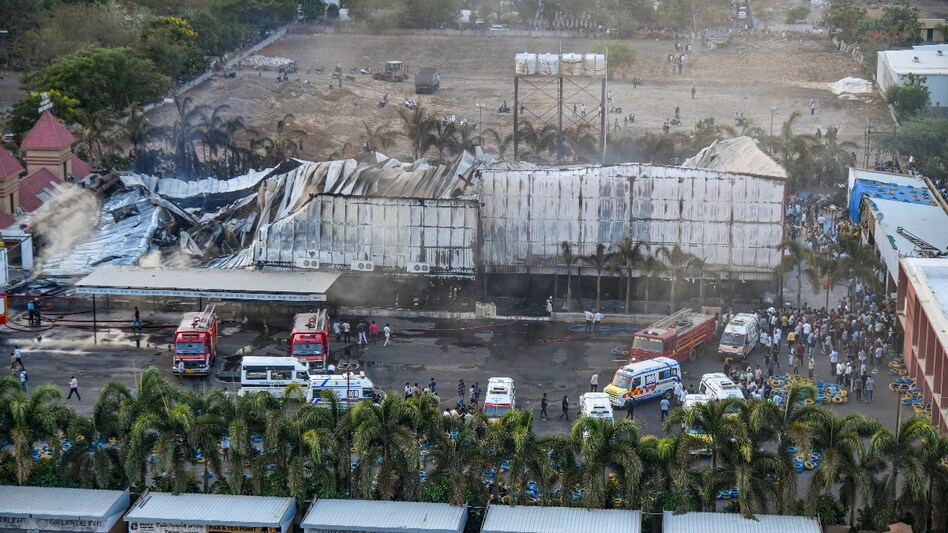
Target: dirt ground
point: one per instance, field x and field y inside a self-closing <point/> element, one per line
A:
<point x="752" y="76"/>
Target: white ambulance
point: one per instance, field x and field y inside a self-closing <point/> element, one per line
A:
<point x="644" y="380"/>
<point x="717" y="386"/>
<point x="741" y="336"/>
<point x="271" y="375"/>
<point x="501" y="397"/>
<point x="349" y="388"/>
<point x="596" y="405"/>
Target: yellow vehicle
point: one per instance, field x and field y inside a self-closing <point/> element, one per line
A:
<point x="644" y="380"/>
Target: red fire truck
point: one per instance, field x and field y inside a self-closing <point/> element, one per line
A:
<point x="195" y="343"/>
<point x="678" y="336"/>
<point x="309" y="341"/>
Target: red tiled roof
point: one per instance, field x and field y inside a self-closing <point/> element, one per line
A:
<point x="9" y="166"/>
<point x="35" y="189"/>
<point x="6" y="220"/>
<point x="80" y="168"/>
<point x="48" y="133"/>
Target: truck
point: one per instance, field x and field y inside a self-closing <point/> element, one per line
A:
<point x="740" y="337"/>
<point x="271" y="375"/>
<point x="309" y="340"/>
<point x="501" y="397"/>
<point x="427" y="80"/>
<point x="195" y="343"/>
<point x="679" y="336"/>
<point x="392" y="71"/>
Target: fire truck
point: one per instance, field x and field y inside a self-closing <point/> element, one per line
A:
<point x="309" y="341"/>
<point x="195" y="343"/>
<point x="678" y="336"/>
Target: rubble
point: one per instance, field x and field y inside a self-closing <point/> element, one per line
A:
<point x="266" y="62"/>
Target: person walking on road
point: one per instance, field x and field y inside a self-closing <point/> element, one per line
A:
<point x="857" y="388"/>
<point x="870" y="386"/>
<point x="594" y="382"/>
<point x="543" y="405"/>
<point x="431" y="384"/>
<point x="387" y="331"/>
<point x="664" y="407"/>
<point x="73" y="388"/>
<point x="589" y="320"/>
<point x="23" y="380"/>
<point x="565" y="412"/>
<point x="692" y="92"/>
<point x="362" y="338"/>
<point x="597" y="321"/>
<point x="347" y="331"/>
<point x="630" y="409"/>
<point x="18" y="354"/>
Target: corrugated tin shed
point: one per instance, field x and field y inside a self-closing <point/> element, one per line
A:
<point x="731" y="523"/>
<point x="58" y="503"/>
<point x="740" y="154"/>
<point x="212" y="509"/>
<point x="209" y="283"/>
<point x="384" y="517"/>
<point x="529" y="519"/>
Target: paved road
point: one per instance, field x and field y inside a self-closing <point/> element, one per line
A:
<point x="540" y="357"/>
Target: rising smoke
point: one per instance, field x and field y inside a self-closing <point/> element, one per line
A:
<point x="65" y="220"/>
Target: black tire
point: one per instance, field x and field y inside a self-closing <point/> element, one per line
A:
<point x="693" y="354"/>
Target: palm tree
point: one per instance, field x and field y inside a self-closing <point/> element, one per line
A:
<point x="715" y="419"/>
<point x="935" y="453"/>
<point x="794" y="151"/>
<point x="859" y="262"/>
<point x="858" y="481"/>
<point x="606" y="446"/>
<point x="165" y="429"/>
<point x="599" y="261"/>
<point x="502" y="142"/>
<point x="840" y="440"/>
<point x="29" y="418"/>
<point x="209" y="426"/>
<point x="566" y="253"/>
<point x="677" y="263"/>
<point x="445" y="137"/>
<point x="384" y="436"/>
<point x="328" y="444"/>
<point x="902" y="450"/>
<point x="457" y="458"/>
<point x="795" y="258"/>
<point x="136" y="131"/>
<point x="378" y="137"/>
<point x="833" y="159"/>
<point x="417" y="125"/>
<point x="288" y="141"/>
<point x="93" y="133"/>
<point x="627" y="259"/>
<point x="823" y="270"/>
<point x="651" y="267"/>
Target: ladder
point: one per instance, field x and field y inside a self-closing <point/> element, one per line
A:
<point x="924" y="248"/>
<point x="671" y="319"/>
<point x="204" y="320"/>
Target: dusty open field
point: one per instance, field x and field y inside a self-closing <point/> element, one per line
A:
<point x="750" y="77"/>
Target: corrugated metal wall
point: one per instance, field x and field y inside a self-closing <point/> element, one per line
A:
<point x="734" y="222"/>
<point x="392" y="232"/>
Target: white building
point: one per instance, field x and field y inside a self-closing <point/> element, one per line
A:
<point x="932" y="62"/>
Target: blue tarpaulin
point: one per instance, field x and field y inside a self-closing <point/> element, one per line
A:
<point x="886" y="191"/>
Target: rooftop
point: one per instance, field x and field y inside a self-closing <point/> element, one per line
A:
<point x="209" y="283"/>
<point x="528" y="519"/>
<point x="729" y="523"/>
<point x="931" y="284"/>
<point x="48" y="134"/>
<point x="59" y="503"/>
<point x="80" y="168"/>
<point x="887" y="186"/>
<point x="9" y="166"/>
<point x="37" y="188"/>
<point x="930" y="62"/>
<point x="216" y="509"/>
<point x="740" y="154"/>
<point x="384" y="516"/>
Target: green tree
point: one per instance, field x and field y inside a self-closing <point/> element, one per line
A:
<point x="715" y="419"/>
<point x="599" y="261"/>
<point x="312" y="9"/>
<point x="569" y="259"/>
<point x="797" y="13"/>
<point x="28" y="418"/>
<point x="924" y="136"/>
<point x="620" y="54"/>
<point x="25" y="113"/>
<point x="172" y="44"/>
<point x="217" y="32"/>
<point x="794" y="151"/>
<point x="841" y="441"/>
<point x="606" y="446"/>
<point x="651" y="267"/>
<point x="387" y="448"/>
<point x="457" y="458"/>
<point x="795" y="258"/>
<point x="901" y="20"/>
<point x="102" y="79"/>
<point x="909" y="98"/>
<point x="678" y="263"/>
<point x="846" y="18"/>
<point x="628" y="258"/>
<point x="902" y="450"/>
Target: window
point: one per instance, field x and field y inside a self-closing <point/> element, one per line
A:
<point x="621" y="381"/>
<point x="636" y="383"/>
<point x="283" y="375"/>
<point x="647" y="344"/>
<point x="665" y="374"/>
<point x="255" y="373"/>
<point x="702" y="389"/>
<point x="674" y="371"/>
<point x="650" y="378"/>
<point x="302" y="375"/>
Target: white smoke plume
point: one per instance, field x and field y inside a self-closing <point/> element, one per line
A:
<point x="65" y="220"/>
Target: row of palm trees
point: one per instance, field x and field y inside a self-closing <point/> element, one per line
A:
<point x="404" y="449"/>
<point x="856" y="262"/>
<point x="630" y="258"/>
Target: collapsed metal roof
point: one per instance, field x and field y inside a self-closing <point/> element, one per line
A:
<point x="740" y="154"/>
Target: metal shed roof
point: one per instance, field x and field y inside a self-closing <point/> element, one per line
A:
<point x="58" y="503"/>
<point x="385" y="516"/>
<point x="209" y="283"/>
<point x="212" y="509"/>
<point x="729" y="523"/>
<point x="524" y="519"/>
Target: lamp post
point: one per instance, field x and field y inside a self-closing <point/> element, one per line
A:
<point x="480" y="123"/>
<point x="772" y="111"/>
<point x="348" y="367"/>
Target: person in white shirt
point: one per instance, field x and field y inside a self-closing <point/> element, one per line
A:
<point x="594" y="382"/>
<point x="387" y="331"/>
<point x="597" y="321"/>
<point x="589" y="320"/>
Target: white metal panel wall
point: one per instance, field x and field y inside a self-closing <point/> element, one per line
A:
<point x="392" y="232"/>
<point x="733" y="221"/>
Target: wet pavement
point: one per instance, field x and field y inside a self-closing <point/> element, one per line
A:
<point x="541" y="357"/>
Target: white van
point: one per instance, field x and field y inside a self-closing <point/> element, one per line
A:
<point x="501" y="397"/>
<point x="271" y="375"/>
<point x="740" y="337"/>
<point x="644" y="380"/>
<point x="347" y="387"/>
<point x="717" y="386"/>
<point x="596" y="405"/>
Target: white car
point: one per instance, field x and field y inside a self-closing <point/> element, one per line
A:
<point x="496" y="27"/>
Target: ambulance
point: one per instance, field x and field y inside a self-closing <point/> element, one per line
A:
<point x="644" y="380"/>
<point x="740" y="337"/>
<point x="349" y="388"/>
<point x="596" y="405"/>
<point x="717" y="386"/>
<point x="692" y="400"/>
<point x="501" y="397"/>
<point x="271" y="375"/>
